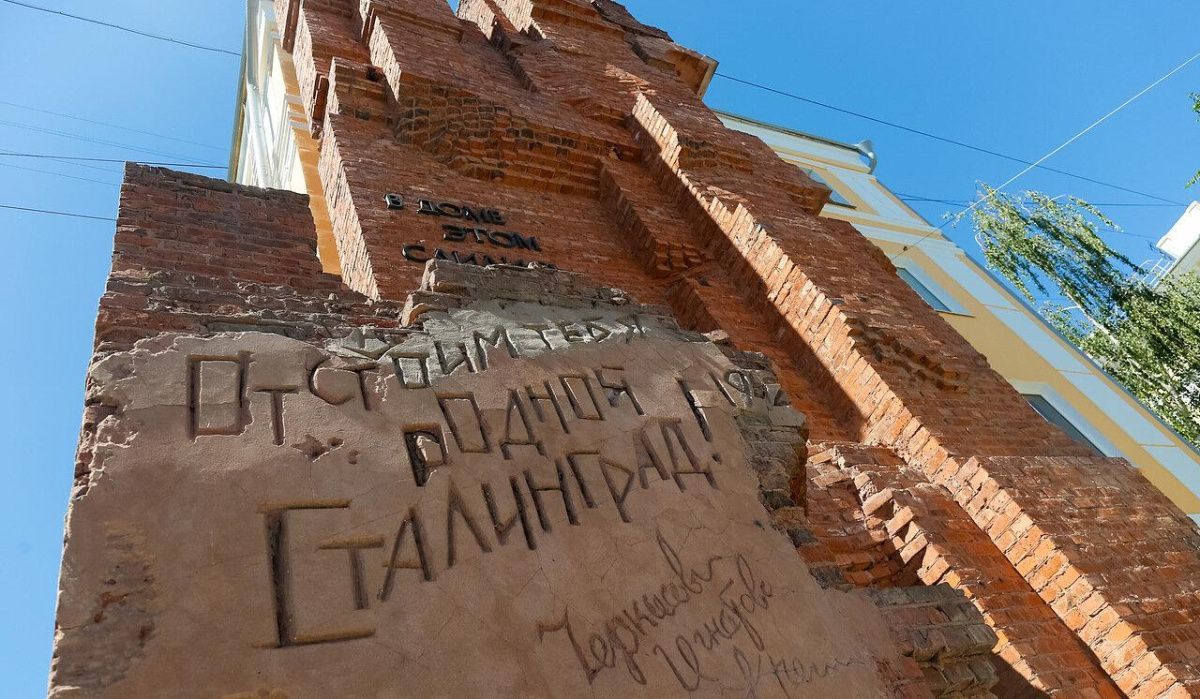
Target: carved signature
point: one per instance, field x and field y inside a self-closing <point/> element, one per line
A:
<point x="623" y="633"/>
<point x="741" y="596"/>
<point x="788" y="672"/>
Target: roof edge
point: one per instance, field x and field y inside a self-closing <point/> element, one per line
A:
<point x="790" y="131"/>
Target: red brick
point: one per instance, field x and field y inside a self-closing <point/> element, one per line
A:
<point x="606" y="154"/>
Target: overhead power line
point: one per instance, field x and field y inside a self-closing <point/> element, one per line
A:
<point x="44" y="156"/>
<point x="119" y="27"/>
<point x="943" y="139"/>
<point x="1094" y="124"/>
<point x="59" y="174"/>
<point x="84" y="165"/>
<point x="112" y="126"/>
<point x="930" y="200"/>
<point x="964" y="203"/>
<point x="967" y="202"/>
<point x="56" y="213"/>
<point x="979" y="200"/>
<point x="90" y="139"/>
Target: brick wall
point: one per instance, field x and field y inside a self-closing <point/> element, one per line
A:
<point x="192" y="254"/>
<point x="197" y="255"/>
<point x="890" y="526"/>
<point x="583" y="127"/>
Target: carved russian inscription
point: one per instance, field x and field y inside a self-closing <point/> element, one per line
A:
<point x="469" y="232"/>
<point x="539" y="502"/>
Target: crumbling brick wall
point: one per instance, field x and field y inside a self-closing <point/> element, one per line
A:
<point x="192" y="254"/>
<point x="584" y="127"/>
<point x="889" y="526"/>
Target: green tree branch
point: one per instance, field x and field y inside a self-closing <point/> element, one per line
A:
<point x="1195" y="108"/>
<point x="1148" y="338"/>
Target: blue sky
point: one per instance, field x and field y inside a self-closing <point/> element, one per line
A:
<point x="1020" y="79"/>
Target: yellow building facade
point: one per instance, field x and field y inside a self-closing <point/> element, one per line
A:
<point x="1061" y="383"/>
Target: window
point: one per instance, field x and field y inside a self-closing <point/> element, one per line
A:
<point x="923" y="291"/>
<point x="1053" y="416"/>
<point x="835" y="197"/>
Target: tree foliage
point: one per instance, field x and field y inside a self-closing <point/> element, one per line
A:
<point x="1196" y="108"/>
<point x="1147" y="337"/>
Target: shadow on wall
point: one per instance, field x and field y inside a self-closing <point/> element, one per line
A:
<point x="1012" y="685"/>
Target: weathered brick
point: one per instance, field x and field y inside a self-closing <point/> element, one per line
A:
<point x="584" y="127"/>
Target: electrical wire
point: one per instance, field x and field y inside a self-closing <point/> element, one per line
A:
<point x="68" y="158"/>
<point x="123" y="28"/>
<point x="59" y="174"/>
<point x="975" y="204"/>
<point x="113" y="126"/>
<point x="56" y="213"/>
<point x="1092" y="126"/>
<point x="948" y="202"/>
<point x="943" y="139"/>
<point x="967" y="202"/>
<point x="97" y="168"/>
<point x="90" y="139"/>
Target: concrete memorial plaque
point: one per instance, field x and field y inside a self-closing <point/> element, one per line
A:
<point x="507" y="499"/>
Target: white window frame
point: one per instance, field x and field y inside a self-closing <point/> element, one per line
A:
<point x="948" y="300"/>
<point x="1068" y="411"/>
